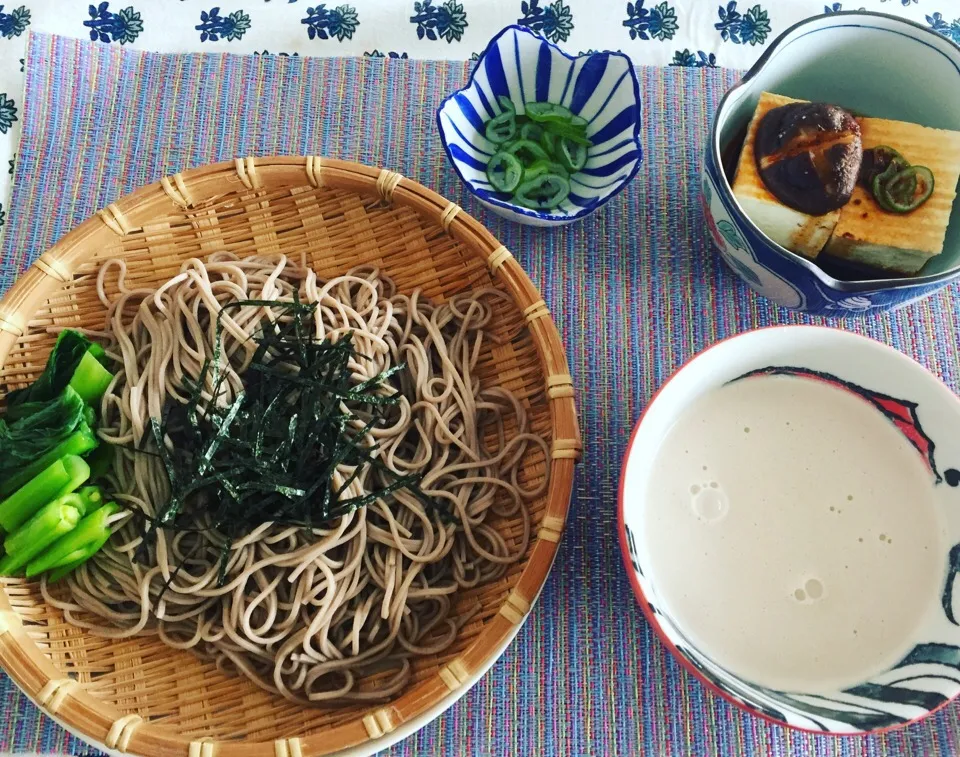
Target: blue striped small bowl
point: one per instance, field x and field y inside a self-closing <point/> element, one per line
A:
<point x="600" y="87"/>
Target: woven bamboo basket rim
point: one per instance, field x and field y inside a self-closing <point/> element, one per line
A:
<point x="172" y="198"/>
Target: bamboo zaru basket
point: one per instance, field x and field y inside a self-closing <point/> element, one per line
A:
<point x="137" y="695"/>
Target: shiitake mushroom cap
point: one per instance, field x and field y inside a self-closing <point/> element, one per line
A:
<point x="809" y="155"/>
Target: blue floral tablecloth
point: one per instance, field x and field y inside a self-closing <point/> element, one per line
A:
<point x="696" y="33"/>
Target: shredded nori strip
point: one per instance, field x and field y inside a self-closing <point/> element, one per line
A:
<point x="270" y="454"/>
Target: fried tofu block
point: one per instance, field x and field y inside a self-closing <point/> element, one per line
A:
<point x="866" y="235"/>
<point x="799" y="232"/>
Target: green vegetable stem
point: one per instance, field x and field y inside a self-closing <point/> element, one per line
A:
<point x="25" y="439"/>
<point x="92" y="499"/>
<point x="79" y="558"/>
<point x="90" y="379"/>
<point x="38" y="533"/>
<point x="79" y="442"/>
<point x="61" y="366"/>
<point x="100" y="461"/>
<point x="57" y="479"/>
<point x="93" y="529"/>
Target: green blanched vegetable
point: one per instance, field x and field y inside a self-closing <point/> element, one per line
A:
<point x="92" y="499"/>
<point x="93" y="529"/>
<point x="77" y="469"/>
<point x="62" y="364"/>
<point x="79" y="558"/>
<point x="57" y="479"/>
<point x="46" y="429"/>
<point x="90" y="379"/>
<point x="27" y="439"/>
<point x="42" y="421"/>
<point x="43" y="529"/>
<point x="79" y="442"/>
<point x="101" y="461"/>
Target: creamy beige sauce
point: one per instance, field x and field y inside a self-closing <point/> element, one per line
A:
<point x="792" y="534"/>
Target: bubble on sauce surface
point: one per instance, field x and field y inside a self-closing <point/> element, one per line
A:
<point x="814" y="588"/>
<point x="709" y="504"/>
<point x="695" y="489"/>
<point x="800" y="595"/>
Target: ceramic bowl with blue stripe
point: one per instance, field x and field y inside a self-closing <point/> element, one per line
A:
<point x="599" y="87"/>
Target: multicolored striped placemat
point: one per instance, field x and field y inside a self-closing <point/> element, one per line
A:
<point x="635" y="290"/>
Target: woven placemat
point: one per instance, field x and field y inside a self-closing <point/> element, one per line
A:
<point x="635" y="290"/>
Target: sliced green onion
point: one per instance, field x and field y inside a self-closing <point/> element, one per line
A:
<point x="501" y="129"/>
<point x="43" y="529"/>
<point x="79" y="442"/>
<point x="543" y="193"/>
<point x="92" y="529"/>
<point x="90" y="379"/>
<point x="548" y="112"/>
<point x="504" y="172"/>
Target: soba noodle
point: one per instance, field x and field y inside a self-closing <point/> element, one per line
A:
<point x="324" y="614"/>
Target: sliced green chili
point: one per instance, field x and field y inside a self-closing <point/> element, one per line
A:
<point x="504" y="171"/>
<point x="537" y="152"/>
<point x="908" y="189"/>
<point x="532" y="131"/>
<point x="501" y="129"/>
<point x="574" y="133"/>
<point x="548" y="141"/>
<point x="526" y="151"/>
<point x="544" y="192"/>
<point x="542" y="167"/>
<point x="548" y="112"/>
<point x="572" y="155"/>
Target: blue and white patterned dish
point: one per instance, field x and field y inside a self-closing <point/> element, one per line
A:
<point x="600" y="87"/>
<point x="926" y="412"/>
<point x="870" y="63"/>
